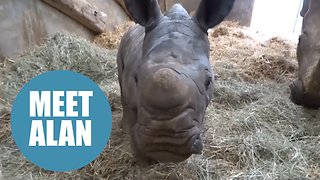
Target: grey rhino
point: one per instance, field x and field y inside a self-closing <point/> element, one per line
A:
<point x="305" y="90"/>
<point x="305" y="8"/>
<point x="165" y="77"/>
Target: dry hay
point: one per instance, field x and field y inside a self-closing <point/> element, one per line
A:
<point x="252" y="129"/>
<point x="274" y="59"/>
<point x="111" y="39"/>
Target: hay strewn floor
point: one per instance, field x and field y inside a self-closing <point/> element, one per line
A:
<point x="252" y="131"/>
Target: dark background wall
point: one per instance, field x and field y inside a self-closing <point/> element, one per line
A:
<point x="242" y="12"/>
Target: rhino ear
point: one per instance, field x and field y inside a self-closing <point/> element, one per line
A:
<point x="212" y="12"/>
<point x="143" y="12"/>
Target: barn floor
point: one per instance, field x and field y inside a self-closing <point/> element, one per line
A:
<point x="252" y="129"/>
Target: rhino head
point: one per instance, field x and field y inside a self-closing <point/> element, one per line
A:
<point x="305" y="90"/>
<point x="165" y="77"/>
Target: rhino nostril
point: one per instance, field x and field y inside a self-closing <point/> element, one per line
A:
<point x="197" y="146"/>
<point x="208" y="82"/>
<point x="136" y="78"/>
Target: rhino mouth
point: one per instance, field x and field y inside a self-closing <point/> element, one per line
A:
<point x="171" y="140"/>
<point x="166" y="154"/>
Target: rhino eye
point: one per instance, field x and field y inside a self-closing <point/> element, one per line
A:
<point x="208" y="82"/>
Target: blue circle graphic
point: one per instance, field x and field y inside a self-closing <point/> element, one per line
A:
<point x="61" y="120"/>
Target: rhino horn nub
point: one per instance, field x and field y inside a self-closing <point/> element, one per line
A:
<point x="164" y="89"/>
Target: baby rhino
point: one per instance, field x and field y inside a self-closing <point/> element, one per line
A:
<point x="305" y="90"/>
<point x="165" y="77"/>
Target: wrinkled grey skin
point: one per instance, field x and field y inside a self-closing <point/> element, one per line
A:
<point x="305" y="90"/>
<point x="166" y="79"/>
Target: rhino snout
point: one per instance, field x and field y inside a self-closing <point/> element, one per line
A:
<point x="296" y="89"/>
<point x="169" y="116"/>
<point x="299" y="97"/>
<point x="173" y="138"/>
<point x="175" y="147"/>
